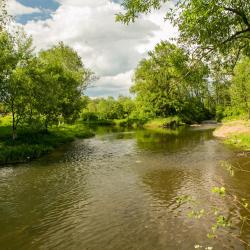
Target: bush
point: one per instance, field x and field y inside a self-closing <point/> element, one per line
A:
<point x="169" y="122"/>
<point x="89" y="116"/>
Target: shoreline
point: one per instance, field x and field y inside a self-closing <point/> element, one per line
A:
<point x="235" y="133"/>
<point x="31" y="145"/>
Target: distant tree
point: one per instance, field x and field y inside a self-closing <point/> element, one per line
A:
<point x="128" y="105"/>
<point x="109" y="108"/>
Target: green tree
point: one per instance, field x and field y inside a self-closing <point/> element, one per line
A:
<point x="166" y="84"/>
<point x="128" y="105"/>
<point x="240" y="89"/>
<point x="59" y="89"/>
<point x="109" y="108"/>
<point x="15" y="55"/>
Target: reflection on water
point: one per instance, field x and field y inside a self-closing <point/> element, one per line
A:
<point x="118" y="191"/>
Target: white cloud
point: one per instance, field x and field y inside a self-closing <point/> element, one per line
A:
<point x="111" y="49"/>
<point x="15" y="8"/>
<point x="112" y="85"/>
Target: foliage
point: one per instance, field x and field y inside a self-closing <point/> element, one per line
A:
<point x="169" y="122"/>
<point x="15" y="57"/>
<point x="240" y="89"/>
<point x="36" y="92"/>
<point x="45" y="89"/>
<point x="215" y="32"/>
<point x="166" y="84"/>
<point x="100" y="109"/>
<point x="221" y="26"/>
<point x="62" y="78"/>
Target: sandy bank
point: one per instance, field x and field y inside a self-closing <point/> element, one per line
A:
<point x="232" y="128"/>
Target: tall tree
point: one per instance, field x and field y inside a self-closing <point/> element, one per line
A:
<point x="15" y="54"/>
<point x="167" y="84"/>
<point x="63" y="78"/>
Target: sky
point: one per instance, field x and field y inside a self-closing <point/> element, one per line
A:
<point x="112" y="50"/>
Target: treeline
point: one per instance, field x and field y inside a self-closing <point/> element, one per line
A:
<point x="170" y="83"/>
<point x="165" y="84"/>
<point x="108" y="108"/>
<point x="43" y="89"/>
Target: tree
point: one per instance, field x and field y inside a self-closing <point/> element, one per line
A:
<point x="240" y="89"/>
<point x="109" y="108"/>
<point x="15" y="54"/>
<point x="207" y="26"/>
<point x="128" y="105"/>
<point x="60" y="85"/>
<point x="167" y="84"/>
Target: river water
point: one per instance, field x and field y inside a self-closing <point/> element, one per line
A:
<point x="119" y="190"/>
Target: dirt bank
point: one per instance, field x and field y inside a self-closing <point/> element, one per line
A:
<point x="232" y="128"/>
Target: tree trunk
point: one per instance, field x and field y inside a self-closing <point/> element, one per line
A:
<point x="14" y="135"/>
<point x="46" y="126"/>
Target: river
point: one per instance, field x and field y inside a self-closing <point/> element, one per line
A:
<point x="119" y="191"/>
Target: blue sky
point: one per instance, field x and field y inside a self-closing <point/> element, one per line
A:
<point x="47" y="7"/>
<point x="112" y="50"/>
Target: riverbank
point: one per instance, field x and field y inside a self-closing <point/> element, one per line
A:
<point x="236" y="133"/>
<point x="31" y="145"/>
<point x="169" y="122"/>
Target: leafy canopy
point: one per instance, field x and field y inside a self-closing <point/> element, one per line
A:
<point x="212" y="25"/>
<point x="166" y="83"/>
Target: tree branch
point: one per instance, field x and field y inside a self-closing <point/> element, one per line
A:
<point x="236" y="35"/>
<point x="239" y="13"/>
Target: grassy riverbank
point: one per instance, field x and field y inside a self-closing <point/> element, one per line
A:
<point x="169" y="122"/>
<point x="31" y="145"/>
<point x="236" y="133"/>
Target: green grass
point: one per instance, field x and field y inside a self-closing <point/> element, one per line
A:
<point x="169" y="122"/>
<point x="31" y="145"/>
<point x="241" y="141"/>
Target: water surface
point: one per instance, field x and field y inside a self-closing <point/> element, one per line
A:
<point x="118" y="190"/>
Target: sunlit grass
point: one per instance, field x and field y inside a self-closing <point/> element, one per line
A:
<point x="239" y="140"/>
<point x="32" y="144"/>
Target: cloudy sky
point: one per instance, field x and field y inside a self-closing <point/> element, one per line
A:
<point x="112" y="50"/>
